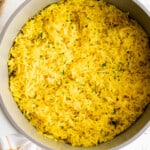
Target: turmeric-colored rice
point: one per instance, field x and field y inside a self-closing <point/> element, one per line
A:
<point x="79" y="71"/>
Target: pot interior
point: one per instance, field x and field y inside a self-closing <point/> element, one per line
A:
<point x="28" y="9"/>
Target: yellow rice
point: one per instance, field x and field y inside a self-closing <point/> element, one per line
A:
<point x="79" y="71"/>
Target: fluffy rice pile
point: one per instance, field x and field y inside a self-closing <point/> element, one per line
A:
<point x="79" y="71"/>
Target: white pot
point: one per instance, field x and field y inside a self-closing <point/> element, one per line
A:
<point x="22" y="14"/>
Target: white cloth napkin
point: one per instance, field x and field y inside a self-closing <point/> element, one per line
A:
<point x="17" y="142"/>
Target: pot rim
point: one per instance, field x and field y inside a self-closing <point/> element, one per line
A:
<point x="17" y="127"/>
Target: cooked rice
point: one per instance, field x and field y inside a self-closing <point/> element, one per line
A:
<point x="79" y="71"/>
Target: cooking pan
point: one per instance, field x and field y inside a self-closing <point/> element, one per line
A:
<point x="28" y="9"/>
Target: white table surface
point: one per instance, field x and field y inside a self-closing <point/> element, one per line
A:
<point x="141" y="143"/>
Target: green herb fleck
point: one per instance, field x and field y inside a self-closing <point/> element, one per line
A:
<point x="93" y="90"/>
<point x="114" y="122"/>
<point x="97" y="42"/>
<point x="63" y="72"/>
<point x="61" y="53"/>
<point x="86" y="25"/>
<point x="62" y="127"/>
<point x="88" y="18"/>
<point x="57" y="43"/>
<point x="104" y="65"/>
<point x="40" y="35"/>
<point x="114" y="111"/>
